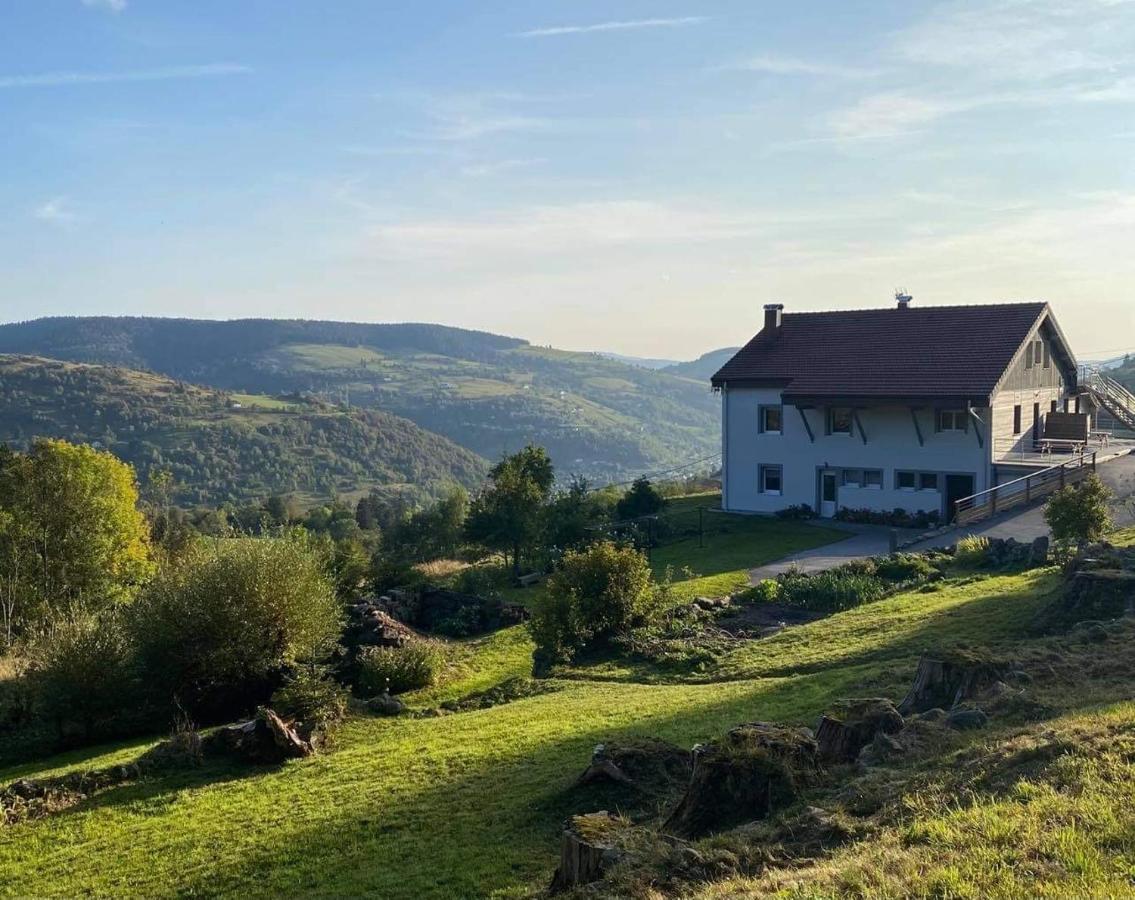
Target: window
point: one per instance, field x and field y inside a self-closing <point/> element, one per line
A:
<point x="1017" y="419"/>
<point x="771" y="419"/>
<point x="1036" y="421"/>
<point x="928" y="481"/>
<point x="770" y="479"/>
<point x="905" y="480"/>
<point x="920" y="481"/>
<point x="1053" y="407"/>
<point x="852" y="477"/>
<point x="1047" y="357"/>
<point x="952" y="420"/>
<point x="1065" y="404"/>
<point x="1029" y="356"/>
<point x="839" y="420"/>
<point x="873" y="478"/>
<point x="1037" y="351"/>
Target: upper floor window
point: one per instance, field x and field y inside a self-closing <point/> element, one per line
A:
<point x="952" y="420"/>
<point x="1047" y="357"/>
<point x="1017" y="419"/>
<point x="840" y="420"/>
<point x="771" y="419"/>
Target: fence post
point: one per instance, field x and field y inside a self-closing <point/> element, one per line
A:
<point x="701" y="527"/>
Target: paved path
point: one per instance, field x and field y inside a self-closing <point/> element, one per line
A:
<point x="1020" y="524"/>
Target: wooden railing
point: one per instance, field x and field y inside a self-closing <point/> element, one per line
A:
<point x="1024" y="490"/>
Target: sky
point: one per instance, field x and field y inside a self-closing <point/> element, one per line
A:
<point x="638" y="177"/>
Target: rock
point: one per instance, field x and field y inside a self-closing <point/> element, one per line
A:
<point x="850" y="725"/>
<point x="589" y="845"/>
<point x="967" y="719"/>
<point x="1038" y="552"/>
<point x="1090" y="595"/>
<point x="183" y="750"/>
<point x="26" y="789"/>
<point x="936" y="714"/>
<point x="385" y="705"/>
<point x="691" y="858"/>
<point x="999" y="689"/>
<point x="711" y="603"/>
<point x="267" y="739"/>
<point x="645" y="764"/>
<point x="753" y="771"/>
<point x="1090" y="632"/>
<point x="949" y="680"/>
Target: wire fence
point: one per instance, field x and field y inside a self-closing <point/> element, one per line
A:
<point x="698" y="524"/>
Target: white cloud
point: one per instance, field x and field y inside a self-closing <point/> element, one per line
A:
<point x="628" y="25"/>
<point x="64" y="79"/>
<point x="784" y="65"/>
<point x="56" y="210"/>
<point x="498" y="167"/>
<point x="114" y="6"/>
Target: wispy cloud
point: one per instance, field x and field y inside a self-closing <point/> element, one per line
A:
<point x="626" y="25"/>
<point x="499" y="167"/>
<point x="783" y="65"/>
<point x="56" y="210"/>
<point x="114" y="6"/>
<point x="64" y="79"/>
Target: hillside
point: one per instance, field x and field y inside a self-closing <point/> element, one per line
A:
<point x="704" y="367"/>
<point x="596" y="416"/>
<point x="1039" y="802"/>
<point x="219" y="446"/>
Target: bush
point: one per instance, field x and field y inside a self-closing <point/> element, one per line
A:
<point x="310" y="696"/>
<point x="599" y="593"/>
<point x="902" y="567"/>
<point x="765" y="591"/>
<point x="82" y="674"/>
<point x="482" y="580"/>
<point x="216" y="632"/>
<point x="798" y="512"/>
<point x="972" y="552"/>
<point x="830" y="591"/>
<point x="1079" y="513"/>
<point x="895" y="518"/>
<point x="399" y="669"/>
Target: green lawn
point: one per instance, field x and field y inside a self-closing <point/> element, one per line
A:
<point x="469" y="804"/>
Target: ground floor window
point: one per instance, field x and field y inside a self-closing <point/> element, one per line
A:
<point x="770" y="479"/>
<point x="863" y="478"/>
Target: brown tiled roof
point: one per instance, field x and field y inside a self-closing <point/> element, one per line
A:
<point x="958" y="352"/>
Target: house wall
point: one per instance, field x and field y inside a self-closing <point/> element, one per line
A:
<point x="892" y="444"/>
<point x="1026" y="385"/>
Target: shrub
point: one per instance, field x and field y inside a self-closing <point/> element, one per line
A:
<point x="765" y="591"/>
<point x="904" y="567"/>
<point x="1079" y="513"/>
<point x="830" y="591"/>
<point x="866" y="566"/>
<point x="482" y="580"/>
<point x="462" y="622"/>
<point x="641" y="499"/>
<point x="82" y="674"/>
<point x="895" y="518"/>
<point x="972" y="551"/>
<point x="399" y="669"/>
<point x="798" y="512"/>
<point x="216" y="632"/>
<point x="598" y="593"/>
<point x="311" y="697"/>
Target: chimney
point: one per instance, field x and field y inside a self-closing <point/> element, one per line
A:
<point x="903" y="298"/>
<point x="772" y="317"/>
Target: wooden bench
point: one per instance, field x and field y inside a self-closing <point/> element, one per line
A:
<point x="1103" y="437"/>
<point x="1047" y="445"/>
<point x="530" y="579"/>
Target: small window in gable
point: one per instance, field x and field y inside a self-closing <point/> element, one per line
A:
<point x="1047" y="357"/>
<point x="770" y="479"/>
<point x="1017" y="419"/>
<point x="840" y="420"/>
<point x="771" y="419"/>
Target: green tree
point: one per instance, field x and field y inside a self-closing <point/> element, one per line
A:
<point x="598" y="593"/>
<point x="72" y="526"/>
<point x="1079" y="512"/>
<point x="572" y="516"/>
<point x="642" y="499"/>
<point x="507" y="514"/>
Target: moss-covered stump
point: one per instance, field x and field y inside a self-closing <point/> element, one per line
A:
<point x="753" y="771"/>
<point x="645" y="764"/>
<point x="1091" y="594"/>
<point x="851" y="725"/>
<point x="945" y="681"/>
<point x="589" y="845"/>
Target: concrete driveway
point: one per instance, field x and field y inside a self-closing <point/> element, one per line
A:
<point x="1022" y="524"/>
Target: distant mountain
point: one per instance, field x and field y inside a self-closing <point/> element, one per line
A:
<point x="491" y="394"/>
<point x="704" y="367"/>
<point x="225" y="447"/>
<point x="643" y="362"/>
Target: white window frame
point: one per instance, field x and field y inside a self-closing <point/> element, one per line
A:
<point x="850" y="420"/>
<point x="957" y="418"/>
<point x="764" y="408"/>
<point x="878" y="485"/>
<point x="765" y="469"/>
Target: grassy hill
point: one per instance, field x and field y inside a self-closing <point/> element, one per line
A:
<point x="221" y="446"/>
<point x="491" y="394"/>
<point x="705" y="366"/>
<point x="471" y="804"/>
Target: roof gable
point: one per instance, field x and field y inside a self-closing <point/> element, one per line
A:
<point x="957" y="352"/>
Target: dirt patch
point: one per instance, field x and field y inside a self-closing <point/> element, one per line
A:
<point x="756" y="620"/>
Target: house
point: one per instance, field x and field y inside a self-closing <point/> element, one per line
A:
<point x="897" y="408"/>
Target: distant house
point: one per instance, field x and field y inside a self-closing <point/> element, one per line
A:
<point x="898" y="408"/>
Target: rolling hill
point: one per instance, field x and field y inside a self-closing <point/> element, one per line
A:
<point x="220" y="446"/>
<point x="598" y="417"/>
<point x="704" y="367"/>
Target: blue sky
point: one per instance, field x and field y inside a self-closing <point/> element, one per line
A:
<point x="637" y="176"/>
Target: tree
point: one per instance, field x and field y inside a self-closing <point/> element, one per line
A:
<point x="506" y="515"/>
<point x="1078" y="513"/>
<point x="72" y="527"/>
<point x="642" y="499"/>
<point x="572" y="515"/>
<point x="598" y="593"/>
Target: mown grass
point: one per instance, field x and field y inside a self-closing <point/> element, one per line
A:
<point x="470" y="805"/>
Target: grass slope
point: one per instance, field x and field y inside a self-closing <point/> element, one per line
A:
<point x="470" y="804"/>
<point x="223" y="447"/>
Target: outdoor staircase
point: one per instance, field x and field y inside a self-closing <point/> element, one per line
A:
<point x="1112" y="396"/>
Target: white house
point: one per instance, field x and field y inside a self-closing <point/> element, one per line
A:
<point x="898" y="408"/>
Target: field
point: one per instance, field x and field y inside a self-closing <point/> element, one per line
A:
<point x="470" y="804"/>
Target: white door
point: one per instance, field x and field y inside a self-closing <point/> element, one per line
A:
<point x="829" y="488"/>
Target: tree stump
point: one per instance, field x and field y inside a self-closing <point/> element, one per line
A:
<point x="851" y="725"/>
<point x="588" y="846"/>
<point x="946" y="682"/>
<point x="646" y="764"/>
